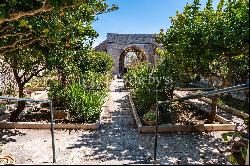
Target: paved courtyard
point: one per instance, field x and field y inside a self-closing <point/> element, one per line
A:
<point x="117" y="141"/>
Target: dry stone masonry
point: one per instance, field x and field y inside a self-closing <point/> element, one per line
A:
<point x="116" y="44"/>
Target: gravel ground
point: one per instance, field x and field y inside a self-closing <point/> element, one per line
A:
<point x="116" y="142"/>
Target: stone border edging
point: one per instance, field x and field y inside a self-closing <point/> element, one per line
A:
<point x="164" y="128"/>
<point x="35" y="125"/>
<point x="137" y="119"/>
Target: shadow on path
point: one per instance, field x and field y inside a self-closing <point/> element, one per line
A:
<point x="6" y="134"/>
<point x="118" y="139"/>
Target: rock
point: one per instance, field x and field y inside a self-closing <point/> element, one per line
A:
<point x="165" y="147"/>
<point x="148" y="156"/>
<point x="215" y="151"/>
<point x="125" y="152"/>
<point x="114" y="148"/>
<point x="166" y="162"/>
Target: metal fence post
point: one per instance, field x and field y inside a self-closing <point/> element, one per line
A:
<point x="247" y="157"/>
<point x="156" y="130"/>
<point x="52" y="132"/>
<point x="52" y="117"/>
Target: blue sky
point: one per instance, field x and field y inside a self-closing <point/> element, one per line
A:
<point x="139" y="16"/>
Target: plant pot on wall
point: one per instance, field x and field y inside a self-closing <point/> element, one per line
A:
<point x="61" y="114"/>
<point x="149" y="118"/>
<point x="149" y="122"/>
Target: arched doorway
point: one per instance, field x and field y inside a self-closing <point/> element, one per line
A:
<point x="130" y="56"/>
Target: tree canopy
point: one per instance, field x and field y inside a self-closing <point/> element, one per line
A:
<point x="66" y="23"/>
<point x="211" y="42"/>
<point x="41" y="35"/>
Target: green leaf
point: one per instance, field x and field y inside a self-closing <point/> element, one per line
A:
<point x="225" y="135"/>
<point x="46" y="30"/>
<point x="23" y="23"/>
<point x="246" y="121"/>
<point x="232" y="159"/>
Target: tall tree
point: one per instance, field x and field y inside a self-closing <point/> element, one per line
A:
<point x="39" y="35"/>
<point x="212" y="43"/>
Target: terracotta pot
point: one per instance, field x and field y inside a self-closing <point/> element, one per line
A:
<point x="60" y="114"/>
<point x="149" y="123"/>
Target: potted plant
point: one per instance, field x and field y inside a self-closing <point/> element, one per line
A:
<point x="149" y="118"/>
<point x="61" y="114"/>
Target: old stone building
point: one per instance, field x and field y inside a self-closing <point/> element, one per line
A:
<point x="120" y="45"/>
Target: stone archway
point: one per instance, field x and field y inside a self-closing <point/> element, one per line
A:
<point x="117" y="44"/>
<point x="130" y="56"/>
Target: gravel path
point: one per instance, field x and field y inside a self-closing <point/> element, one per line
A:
<point x="116" y="142"/>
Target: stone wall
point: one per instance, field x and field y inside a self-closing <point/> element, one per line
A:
<point x="115" y="44"/>
<point x="130" y="38"/>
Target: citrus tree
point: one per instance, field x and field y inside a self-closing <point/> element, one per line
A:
<point x="210" y="42"/>
<point x="40" y="35"/>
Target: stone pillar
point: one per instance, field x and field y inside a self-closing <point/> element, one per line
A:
<point x="115" y="52"/>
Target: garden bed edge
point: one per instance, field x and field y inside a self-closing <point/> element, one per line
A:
<point x="36" y="125"/>
<point x="164" y="128"/>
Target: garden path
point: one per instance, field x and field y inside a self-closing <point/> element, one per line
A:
<point x="117" y="141"/>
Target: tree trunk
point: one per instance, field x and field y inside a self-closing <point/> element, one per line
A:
<point x="226" y="83"/>
<point x="62" y="76"/>
<point x="247" y="158"/>
<point x="63" y="80"/>
<point x="20" y="105"/>
<point x="171" y="94"/>
<point x="213" y="111"/>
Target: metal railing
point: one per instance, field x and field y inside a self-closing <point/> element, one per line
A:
<point x="210" y="93"/>
<point x="51" y="112"/>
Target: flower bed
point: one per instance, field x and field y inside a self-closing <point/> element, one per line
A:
<point x="221" y="125"/>
<point x="44" y="124"/>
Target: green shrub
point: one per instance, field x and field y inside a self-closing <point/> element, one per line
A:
<point x="83" y="102"/>
<point x="150" y="116"/>
<point x="85" y="87"/>
<point x="95" y="81"/>
<point x="148" y="84"/>
<point x="3" y="105"/>
<point x="84" y="106"/>
<point x="57" y="94"/>
<point x="99" y="62"/>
